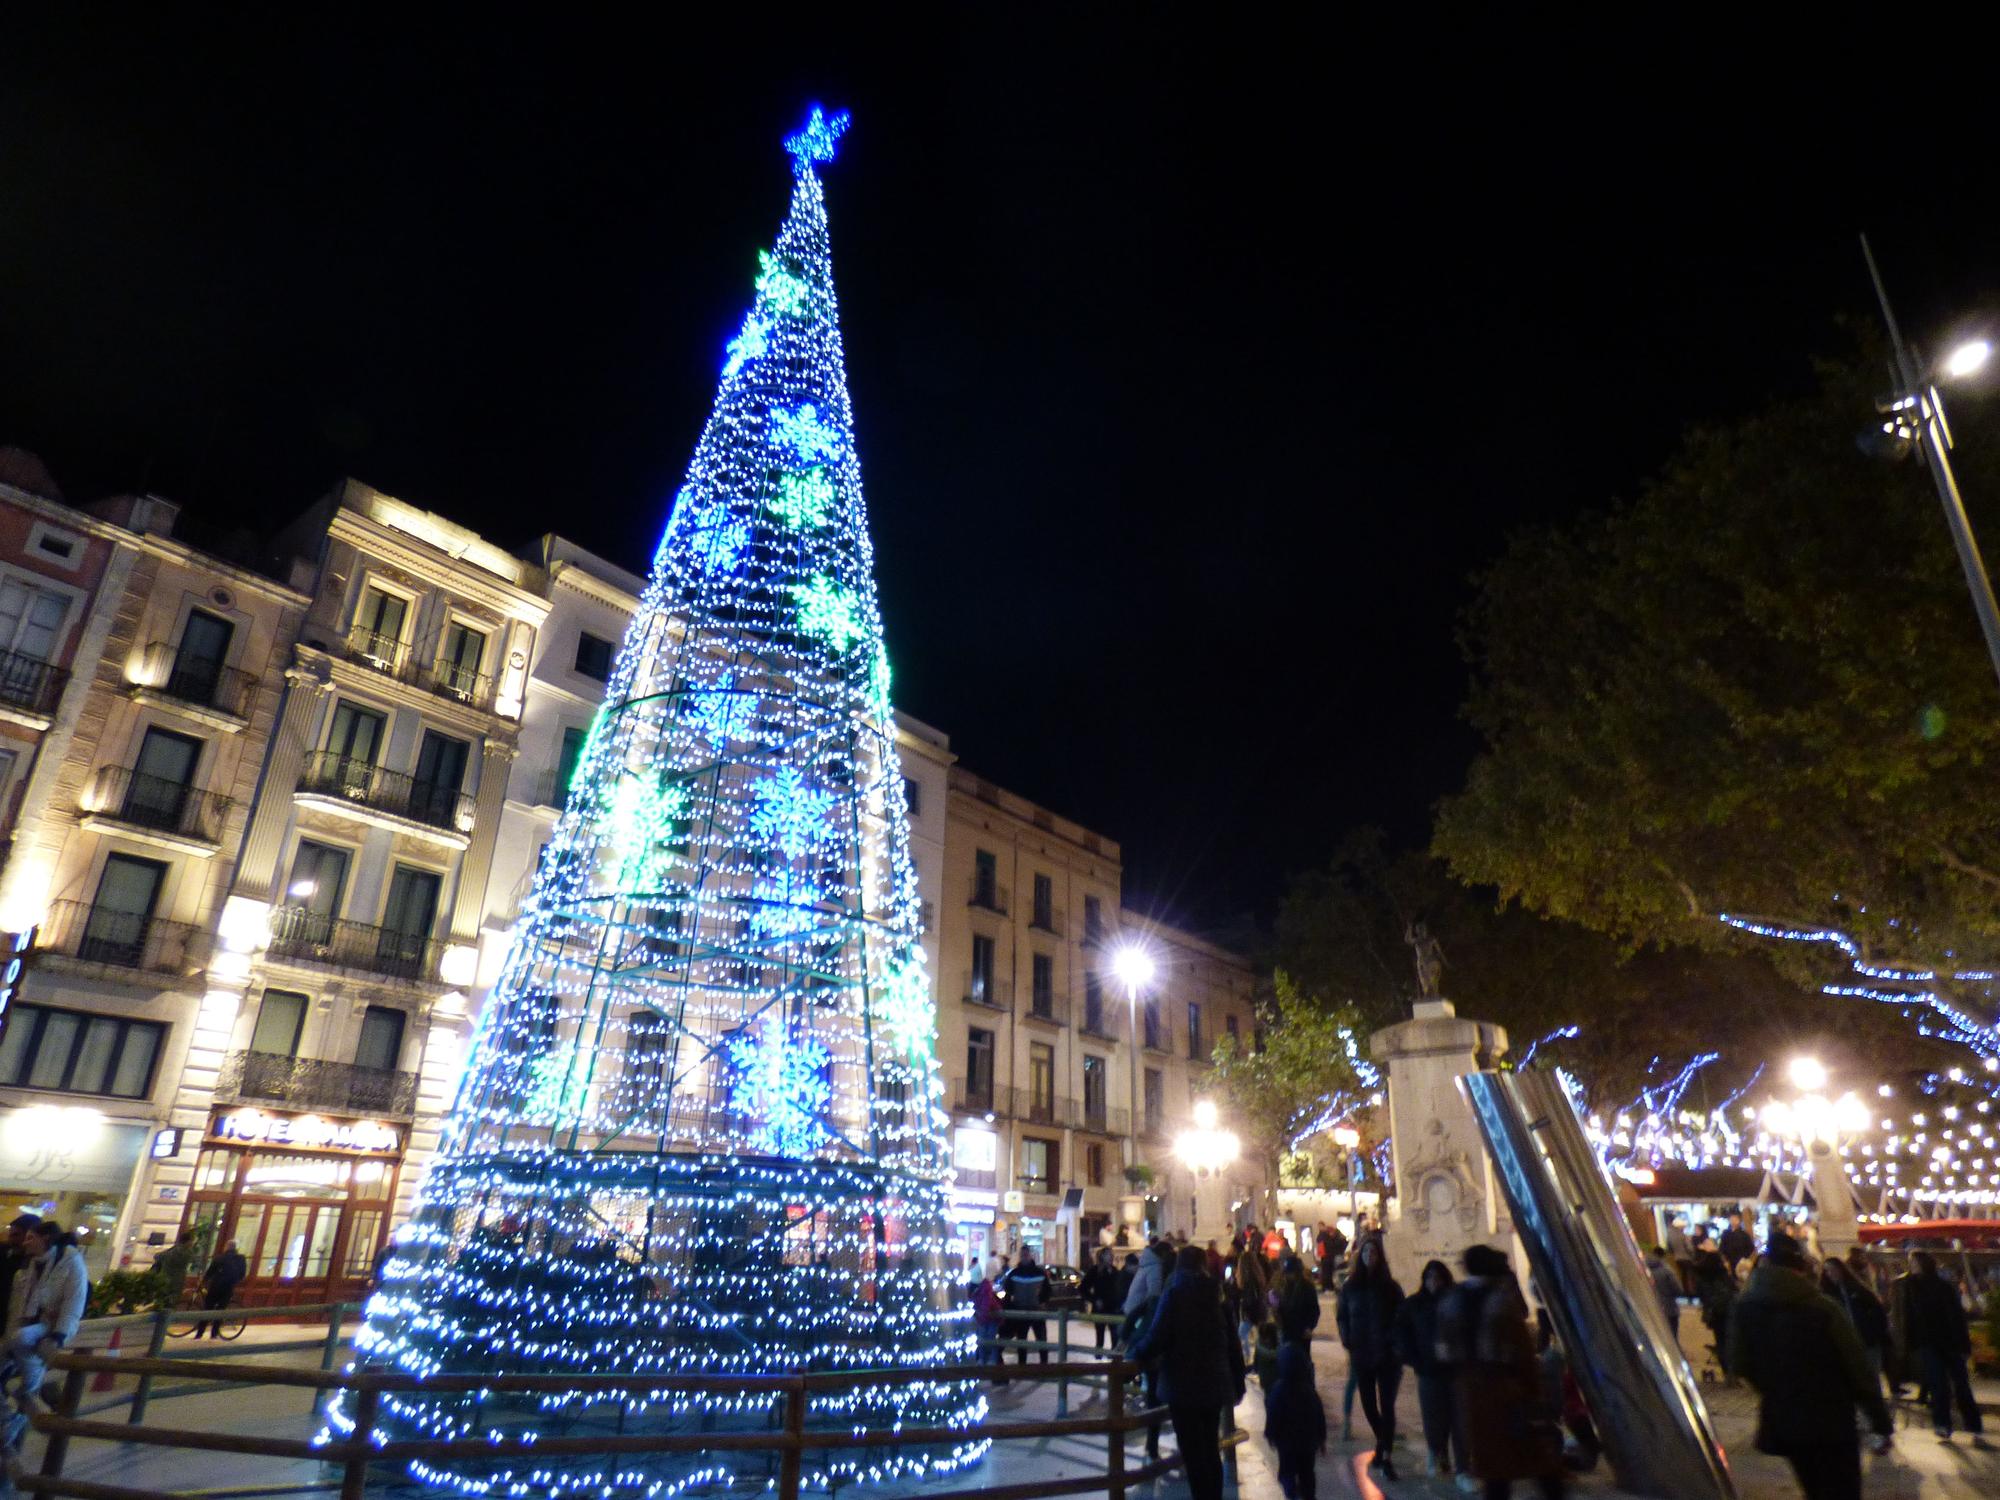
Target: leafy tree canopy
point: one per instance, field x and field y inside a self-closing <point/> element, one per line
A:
<point x="1275" y="1091"/>
<point x="1758" y="688"/>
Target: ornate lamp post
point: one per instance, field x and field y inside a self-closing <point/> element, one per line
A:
<point x="1819" y="1123"/>
<point x="1207" y="1151"/>
<point x="1134" y="967"/>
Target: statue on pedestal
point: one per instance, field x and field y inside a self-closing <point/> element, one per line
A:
<point x="1430" y="959"/>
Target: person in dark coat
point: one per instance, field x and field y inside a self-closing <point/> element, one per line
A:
<point x="1863" y="1308"/>
<point x="1332" y="1245"/>
<point x="1201" y="1367"/>
<point x="219" y="1283"/>
<point x="1417" y="1342"/>
<point x="1022" y="1289"/>
<point x="1736" y="1246"/>
<point x="1294" y="1301"/>
<point x="1483" y="1333"/>
<point x="1806" y="1361"/>
<point x="1295" y="1418"/>
<point x="1366" y="1314"/>
<point x="1934" y="1320"/>
<point x="1715" y="1288"/>
<point x="1099" y="1290"/>
<point x="13" y="1260"/>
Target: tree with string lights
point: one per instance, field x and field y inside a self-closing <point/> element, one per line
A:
<point x="700" y="1129"/>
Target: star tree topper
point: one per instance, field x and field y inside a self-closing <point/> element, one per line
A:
<point x="817" y="139"/>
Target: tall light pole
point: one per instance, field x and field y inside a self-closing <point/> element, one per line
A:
<point x="1917" y="413"/>
<point x="1819" y="1124"/>
<point x="1135" y="969"/>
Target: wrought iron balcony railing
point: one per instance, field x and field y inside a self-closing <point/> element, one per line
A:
<point x="987" y="895"/>
<point x="30" y="683"/>
<point x="304" y="935"/>
<point x="1039" y="1108"/>
<point x="1046" y="1009"/>
<point x="395" y="658"/>
<point x="316" y="1083"/>
<point x="973" y="1098"/>
<point x="994" y="994"/>
<point x="460" y="684"/>
<point x="205" y="684"/>
<point x="1101" y="1120"/>
<point x="330" y="774"/>
<point x="125" y="939"/>
<point x="142" y="801"/>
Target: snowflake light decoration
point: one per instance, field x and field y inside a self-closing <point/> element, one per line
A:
<point x="801" y="433"/>
<point x="790" y="812"/>
<point x="781" y="1086"/>
<point x="781" y="290"/>
<point x="803" y="501"/>
<point x="830" y="612"/>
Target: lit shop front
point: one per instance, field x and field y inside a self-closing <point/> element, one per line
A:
<point x="73" y="1164"/>
<point x="306" y="1198"/>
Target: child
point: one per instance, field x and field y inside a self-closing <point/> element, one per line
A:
<point x="1294" y="1419"/>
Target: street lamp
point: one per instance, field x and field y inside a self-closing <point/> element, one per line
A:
<point x="1135" y="968"/>
<point x="1916" y="412"/>
<point x="1207" y="1150"/>
<point x="1818" y="1123"/>
<point x="1349" y="1140"/>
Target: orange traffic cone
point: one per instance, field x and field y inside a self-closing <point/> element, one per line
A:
<point x="102" y="1380"/>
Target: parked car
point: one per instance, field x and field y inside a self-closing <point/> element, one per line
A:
<point x="1065" y="1286"/>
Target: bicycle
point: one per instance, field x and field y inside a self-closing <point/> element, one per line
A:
<point x="225" y="1328"/>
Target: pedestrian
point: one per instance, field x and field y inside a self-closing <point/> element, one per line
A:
<point x="1253" y="1309"/>
<point x="1201" y="1367"/>
<point x="1294" y="1417"/>
<point x="1715" y="1288"/>
<point x="1941" y="1341"/>
<point x="1736" y="1246"/>
<point x="986" y="1320"/>
<point x="1810" y="1371"/>
<point x="13" y="1260"/>
<point x="1022" y="1290"/>
<point x="218" y="1285"/>
<point x="1680" y="1253"/>
<point x="1099" y="1289"/>
<point x="1666" y="1287"/>
<point x="1332" y="1245"/>
<point x="1293" y="1302"/>
<point x="1417" y="1342"/>
<point x="1142" y="1301"/>
<point x="58" y="1286"/>
<point x="1864" y="1310"/>
<point x="1126" y="1271"/>
<point x="1483" y="1334"/>
<point x="1214" y="1261"/>
<point x="1366" y="1313"/>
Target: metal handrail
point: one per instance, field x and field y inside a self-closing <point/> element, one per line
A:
<point x="316" y="1083"/>
<point x="29" y="682"/>
<point x="124" y="939"/>
<point x="204" y="683"/>
<point x="300" y="933"/>
<point x="328" y="773"/>
<point x="127" y="795"/>
<point x="790" y="1441"/>
<point x="995" y="994"/>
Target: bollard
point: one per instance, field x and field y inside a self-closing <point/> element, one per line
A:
<point x="56" y="1454"/>
<point x="1062" y="1355"/>
<point x="155" y="1342"/>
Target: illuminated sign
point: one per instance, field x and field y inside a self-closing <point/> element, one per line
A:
<point x="14" y="948"/>
<point x="254" y="1127"/>
<point x="973" y="1205"/>
<point x="166" y="1143"/>
<point x="974" y="1150"/>
<point x="1014" y="1201"/>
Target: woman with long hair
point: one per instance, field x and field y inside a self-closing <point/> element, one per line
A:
<point x="1367" y="1312"/>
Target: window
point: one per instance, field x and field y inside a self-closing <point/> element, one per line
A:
<point x="162" y="780"/>
<point x="1155" y="1093"/>
<point x="1045" y="903"/>
<point x="1194" y="1029"/>
<point x="1038" y="1165"/>
<point x="120" y="916"/>
<point x="1041" y="1081"/>
<point x="31" y="619"/>
<point x="281" y="1021"/>
<point x="593" y="656"/>
<point x="378" y="626"/>
<point x="440" y="773"/>
<point x="458" y="665"/>
<point x="646" y="1056"/>
<point x="381" y="1044"/>
<point x="566" y="763"/>
<point x="356" y="738"/>
<point x="1095" y="1079"/>
<point x="403" y="944"/>
<point x="1093" y="919"/>
<point x="45" y="1048"/>
<point x="1093" y="1003"/>
<point x="1150" y="1015"/>
<point x="913" y="796"/>
<point x="981" y="983"/>
<point x="319" y="876"/>
<point x="985" y="879"/>
<point x="1043" y="969"/>
<point x="64" y="548"/>
<point x="979" y="1067"/>
<point x="197" y="668"/>
<point x="7" y="762"/>
<point x="1093" y="1164"/>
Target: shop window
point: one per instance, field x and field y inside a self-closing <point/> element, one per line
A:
<point x="46" y="1048"/>
<point x="281" y="1020"/>
<point x="364" y="1242"/>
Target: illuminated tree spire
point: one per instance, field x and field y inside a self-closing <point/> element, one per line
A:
<point x="700" y="1128"/>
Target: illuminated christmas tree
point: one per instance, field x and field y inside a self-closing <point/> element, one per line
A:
<point x="700" y="1128"/>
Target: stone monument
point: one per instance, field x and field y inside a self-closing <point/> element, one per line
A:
<point x="1445" y="1194"/>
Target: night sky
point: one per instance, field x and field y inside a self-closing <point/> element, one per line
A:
<point x="1194" y="372"/>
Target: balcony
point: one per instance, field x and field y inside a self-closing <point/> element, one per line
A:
<point x="29" y="684"/>
<point x="1153" y="1125"/>
<point x="119" y="794"/>
<point x="972" y="1099"/>
<point x="1096" y="1118"/>
<point x="196" y="683"/>
<point x="1048" y="1010"/>
<point x="301" y="935"/>
<point x="987" y="896"/>
<point x="1047" y="919"/>
<point x="315" y="1083"/>
<point x="989" y="994"/>
<point x="396" y="659"/>
<point x="1038" y="1108"/>
<point x="978" y="1177"/>
<point x="1099" y="1022"/>
<point x="126" y="940"/>
<point x="363" y="784"/>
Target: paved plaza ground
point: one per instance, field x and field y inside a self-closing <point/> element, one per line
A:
<point x="1919" y="1467"/>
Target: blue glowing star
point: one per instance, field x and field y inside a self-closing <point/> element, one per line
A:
<point x="748" y="345"/>
<point x="804" y="433"/>
<point x="817" y="138"/>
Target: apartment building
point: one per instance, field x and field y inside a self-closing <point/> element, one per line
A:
<point x="327" y="1051"/>
<point x="133" y="784"/>
<point x="1054" y="1092"/>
